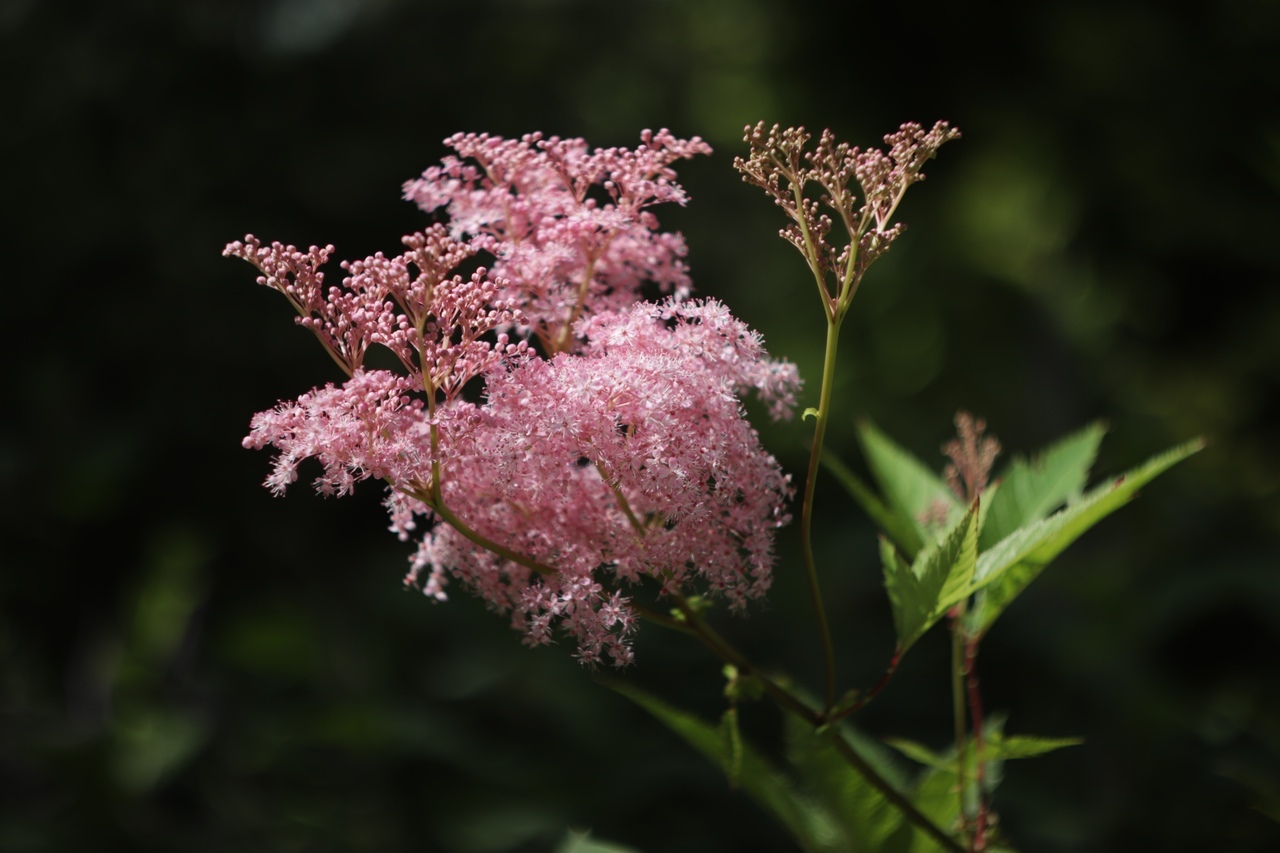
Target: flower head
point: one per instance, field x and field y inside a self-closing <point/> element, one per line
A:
<point x="972" y="455"/>
<point x="630" y="459"/>
<point x="861" y="189"/>
<point x="570" y="227"/>
<point x="543" y="482"/>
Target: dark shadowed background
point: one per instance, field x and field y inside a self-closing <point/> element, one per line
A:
<point x="189" y="664"/>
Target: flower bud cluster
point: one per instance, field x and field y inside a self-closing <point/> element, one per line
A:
<point x="780" y="163"/>
<point x="972" y="454"/>
<point x="544" y="478"/>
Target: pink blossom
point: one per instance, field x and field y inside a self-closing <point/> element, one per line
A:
<point x="543" y="484"/>
<point x="569" y="227"/>
<point x="633" y="458"/>
<point x="368" y="427"/>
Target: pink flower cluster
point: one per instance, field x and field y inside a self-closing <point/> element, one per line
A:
<point x="569" y="226"/>
<point x="550" y="438"/>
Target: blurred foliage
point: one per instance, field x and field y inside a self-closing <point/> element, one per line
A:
<point x="188" y="664"/>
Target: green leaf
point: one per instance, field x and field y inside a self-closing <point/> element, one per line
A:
<point x="997" y="595"/>
<point x="996" y="748"/>
<point x="897" y="528"/>
<point x="920" y="753"/>
<point x="1008" y="748"/>
<point x="809" y="824"/>
<point x="904" y="598"/>
<point x="911" y="489"/>
<point x="935" y="798"/>
<point x="582" y="842"/>
<point x="951" y="566"/>
<point x="936" y="792"/>
<point x="940" y="577"/>
<point x="1029" y="491"/>
<point x="866" y="820"/>
<point x="1005" y="570"/>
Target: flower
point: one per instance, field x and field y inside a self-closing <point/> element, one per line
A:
<point x="972" y="455"/>
<point x="570" y="227"/>
<point x="544" y="482"/>
<point x="779" y="163"/>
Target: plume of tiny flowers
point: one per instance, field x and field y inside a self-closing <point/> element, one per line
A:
<point x="623" y="453"/>
<point x="780" y="163"/>
<point x="380" y="424"/>
<point x="570" y="227"/>
<point x="972" y="454"/>
<point x="632" y="458"/>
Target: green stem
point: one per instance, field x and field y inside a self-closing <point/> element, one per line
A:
<point x="659" y="618"/>
<point x="900" y="802"/>
<point x="806" y="512"/>
<point x="726" y="652"/>
<point x="811" y="252"/>
<point x="696" y="626"/>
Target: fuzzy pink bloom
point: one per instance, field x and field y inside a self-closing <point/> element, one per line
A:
<point x="705" y="329"/>
<point x="378" y="424"/>
<point x="369" y="427"/>
<point x="569" y="226"/>
<point x="631" y="459"/>
<point x="626" y="454"/>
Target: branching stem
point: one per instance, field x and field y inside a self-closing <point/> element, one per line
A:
<point x="900" y="802"/>
<point x="694" y="625"/>
<point x="506" y="553"/>
<point x="865" y="699"/>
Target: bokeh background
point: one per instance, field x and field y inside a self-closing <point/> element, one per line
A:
<point x="189" y="664"/>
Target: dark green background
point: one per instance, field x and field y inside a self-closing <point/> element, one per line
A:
<point x="189" y="664"/>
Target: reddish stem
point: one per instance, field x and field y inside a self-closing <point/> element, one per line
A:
<point x="975" y="714"/>
<point x="865" y="698"/>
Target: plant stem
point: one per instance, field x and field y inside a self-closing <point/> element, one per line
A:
<point x="566" y="330"/>
<point x="865" y="699"/>
<point x="811" y="251"/>
<point x="909" y="811"/>
<point x="621" y="500"/>
<point x="957" y="711"/>
<point x="726" y="652"/>
<point x="446" y="515"/>
<point x="975" y="712"/>
<point x="695" y="625"/>
<point x="659" y="618"/>
<point x="806" y="512"/>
